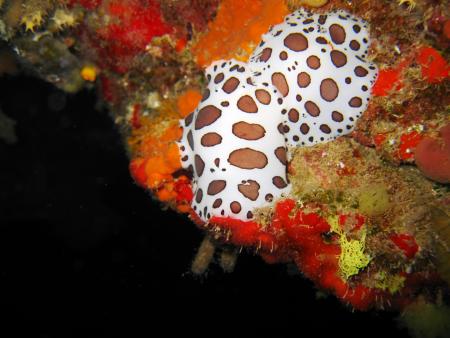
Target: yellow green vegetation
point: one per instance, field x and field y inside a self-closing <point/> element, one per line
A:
<point x="32" y="20"/>
<point x="63" y="18"/>
<point x="389" y="282"/>
<point x="373" y="199"/>
<point x="34" y="13"/>
<point x="352" y="258"/>
<point x="409" y="3"/>
<point x="25" y="16"/>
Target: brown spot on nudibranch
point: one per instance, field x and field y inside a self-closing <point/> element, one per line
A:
<point x="247" y="158"/>
<point x="325" y="128"/>
<point x="265" y="54"/>
<point x="296" y="42"/>
<point x="248" y="131"/>
<point x="188" y="119"/>
<point x="219" y="78"/>
<point x="263" y="96"/>
<point x="329" y="90"/>
<point x="217" y="203"/>
<point x="199" y="165"/>
<point x="313" y="62"/>
<point x="207" y="116"/>
<point x="199" y="195"/>
<point x="250" y="189"/>
<point x="230" y="85"/>
<point x="247" y="104"/>
<point x="354" y="45"/>
<point x="235" y="207"/>
<point x="360" y="71"/>
<point x="312" y="108"/>
<point x="337" y="116"/>
<point x="190" y="139"/>
<point x="279" y="182"/>
<point x="355" y="102"/>
<point x="304" y="128"/>
<point x="206" y="94"/>
<point x="280" y="128"/>
<point x="279" y="81"/>
<point x="216" y="186"/>
<point x="322" y="19"/>
<point x="280" y="153"/>
<point x="293" y="115"/>
<point x="211" y="139"/>
<point x="321" y="40"/>
<point x="338" y="58"/>
<point x="303" y="80"/>
<point x="337" y="33"/>
<point x="233" y="68"/>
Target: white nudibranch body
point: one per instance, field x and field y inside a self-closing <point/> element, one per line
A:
<point x="307" y="82"/>
<point x="317" y="61"/>
<point x="234" y="144"/>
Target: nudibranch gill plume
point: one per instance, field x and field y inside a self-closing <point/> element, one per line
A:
<point x="307" y="82"/>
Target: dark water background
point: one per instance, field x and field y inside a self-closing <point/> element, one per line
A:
<point x="84" y="252"/>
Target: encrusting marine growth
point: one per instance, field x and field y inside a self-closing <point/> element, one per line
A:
<point x="259" y="163"/>
<point x="307" y="82"/>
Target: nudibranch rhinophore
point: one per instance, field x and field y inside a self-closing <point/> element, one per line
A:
<point x="307" y="82"/>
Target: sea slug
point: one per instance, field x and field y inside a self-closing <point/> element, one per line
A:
<point x="307" y="82"/>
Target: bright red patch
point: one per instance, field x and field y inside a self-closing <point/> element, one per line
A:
<point x="406" y="243"/>
<point x="434" y="67"/>
<point x="388" y="80"/>
<point x="379" y="139"/>
<point x="244" y="232"/>
<point x="408" y="143"/>
<point x="136" y="116"/>
<point x="137" y="169"/>
<point x="133" y="25"/>
<point x="107" y="89"/>
<point x="351" y="221"/>
<point x="184" y="191"/>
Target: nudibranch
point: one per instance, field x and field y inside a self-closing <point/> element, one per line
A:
<point x="318" y="64"/>
<point x="234" y="144"/>
<point x="307" y="82"/>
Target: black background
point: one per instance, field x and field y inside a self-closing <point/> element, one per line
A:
<point x="84" y="252"/>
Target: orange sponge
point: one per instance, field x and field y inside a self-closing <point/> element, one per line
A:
<point x="237" y="29"/>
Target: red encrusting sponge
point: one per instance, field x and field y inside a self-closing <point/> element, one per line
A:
<point x="299" y="236"/>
